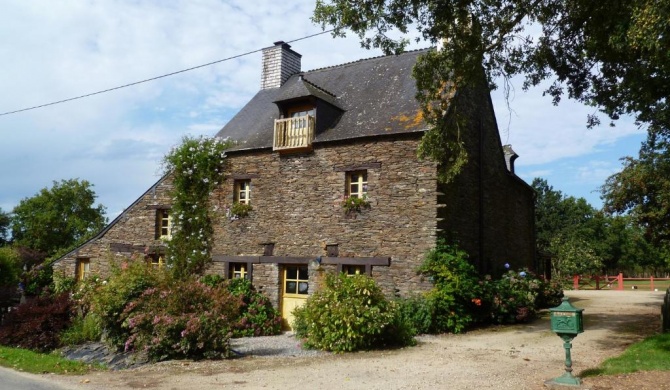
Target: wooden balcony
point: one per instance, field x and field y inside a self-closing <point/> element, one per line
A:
<point x="293" y="134"/>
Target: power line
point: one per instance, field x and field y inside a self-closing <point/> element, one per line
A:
<point x="157" y="77"/>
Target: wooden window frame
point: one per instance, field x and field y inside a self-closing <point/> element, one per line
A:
<point x="156" y="260"/>
<point x="297" y="280"/>
<point x="359" y="269"/>
<point x="239" y="190"/>
<point x="361" y="182"/>
<point x="163" y="224"/>
<point x="244" y="272"/>
<point x="82" y="268"/>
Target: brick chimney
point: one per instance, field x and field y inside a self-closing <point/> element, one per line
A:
<point x="279" y="63"/>
<point x="510" y="156"/>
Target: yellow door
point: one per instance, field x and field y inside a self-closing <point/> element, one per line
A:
<point x="295" y="290"/>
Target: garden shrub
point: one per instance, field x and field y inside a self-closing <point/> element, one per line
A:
<point x="36" y="324"/>
<point x="518" y="295"/>
<point x="108" y="299"/>
<point x="82" y="329"/>
<point x="455" y="301"/>
<point x="188" y="319"/>
<point x="349" y="313"/>
<point x="257" y="316"/>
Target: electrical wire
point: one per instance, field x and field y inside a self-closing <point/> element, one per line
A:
<point x="156" y="77"/>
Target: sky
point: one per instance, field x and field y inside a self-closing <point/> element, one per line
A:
<point x="55" y="50"/>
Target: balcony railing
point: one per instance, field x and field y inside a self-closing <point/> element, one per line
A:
<point x="293" y="133"/>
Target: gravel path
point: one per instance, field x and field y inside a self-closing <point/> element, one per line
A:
<point x="504" y="357"/>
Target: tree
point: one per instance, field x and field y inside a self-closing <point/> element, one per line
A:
<point x="608" y="54"/>
<point x="642" y="189"/>
<point x="56" y="219"/>
<point x="4" y="227"/>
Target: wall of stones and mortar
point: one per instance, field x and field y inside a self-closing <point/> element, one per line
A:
<point x="297" y="205"/>
<point x="135" y="228"/>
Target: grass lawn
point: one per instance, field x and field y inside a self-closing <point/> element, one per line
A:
<point x="41" y="363"/>
<point x="651" y="354"/>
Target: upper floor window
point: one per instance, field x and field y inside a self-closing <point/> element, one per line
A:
<point x="357" y="184"/>
<point x="243" y="191"/>
<point x="163" y="224"/>
<point x="83" y="268"/>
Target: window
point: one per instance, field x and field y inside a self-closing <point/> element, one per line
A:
<point x="238" y="271"/>
<point x="156" y="260"/>
<point x="354" y="269"/>
<point x="296" y="280"/>
<point x="242" y="191"/>
<point x="163" y="224"/>
<point x="83" y="268"/>
<point x="357" y="184"/>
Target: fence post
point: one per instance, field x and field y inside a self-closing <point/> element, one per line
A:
<point x="597" y="282"/>
<point x="652" y="282"/>
<point x="575" y="282"/>
<point x="620" y="282"/>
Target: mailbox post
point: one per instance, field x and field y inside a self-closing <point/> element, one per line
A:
<point x="567" y="322"/>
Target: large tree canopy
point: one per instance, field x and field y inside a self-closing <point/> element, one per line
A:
<point x="4" y="227"/>
<point x="609" y="54"/>
<point x="58" y="218"/>
<point x="642" y="189"/>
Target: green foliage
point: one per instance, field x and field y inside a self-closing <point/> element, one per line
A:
<point x="108" y="299"/>
<point x="553" y="42"/>
<point x="37" y="324"/>
<point x="349" y="313"/>
<point x="417" y="312"/>
<point x="82" y="329"/>
<point x="240" y="210"/>
<point x="188" y="319"/>
<point x="38" y="279"/>
<point x="642" y="189"/>
<point x="354" y="204"/>
<point x="10" y="267"/>
<point x="62" y="283"/>
<point x="457" y="293"/>
<point x="57" y="218"/>
<point x="257" y="316"/>
<point x="40" y="363"/>
<point x="197" y="169"/>
<point x="5" y="221"/>
<point x="573" y="256"/>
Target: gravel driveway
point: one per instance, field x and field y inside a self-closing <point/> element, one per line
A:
<point x="502" y="357"/>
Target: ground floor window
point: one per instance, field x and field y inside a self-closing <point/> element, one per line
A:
<point x="238" y="271"/>
<point x="296" y="280"/>
<point x="156" y="260"/>
<point x="349" y="269"/>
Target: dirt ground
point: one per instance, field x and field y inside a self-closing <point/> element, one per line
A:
<point x="505" y="357"/>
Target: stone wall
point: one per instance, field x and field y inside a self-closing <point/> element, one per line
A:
<point x="134" y="231"/>
<point x="297" y="205"/>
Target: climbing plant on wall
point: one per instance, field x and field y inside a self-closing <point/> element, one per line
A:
<point x="196" y="167"/>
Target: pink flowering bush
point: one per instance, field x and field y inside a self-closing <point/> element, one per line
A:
<point x="187" y="319"/>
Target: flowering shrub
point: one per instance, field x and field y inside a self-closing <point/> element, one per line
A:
<point x="186" y="320"/>
<point x="518" y="295"/>
<point x="256" y="317"/>
<point x="239" y="210"/>
<point x="107" y="299"/>
<point x="455" y="301"/>
<point x="349" y="313"/>
<point x="355" y="204"/>
<point x="197" y="169"/>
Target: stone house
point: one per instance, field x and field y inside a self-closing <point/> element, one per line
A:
<point x="307" y="142"/>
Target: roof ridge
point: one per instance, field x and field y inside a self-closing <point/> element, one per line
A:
<point x="366" y="59"/>
<point x="302" y="77"/>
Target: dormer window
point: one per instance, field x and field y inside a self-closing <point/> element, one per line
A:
<point x="296" y="131"/>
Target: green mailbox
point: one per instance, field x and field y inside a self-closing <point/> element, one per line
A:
<point x="567" y="322"/>
<point x="566" y="319"/>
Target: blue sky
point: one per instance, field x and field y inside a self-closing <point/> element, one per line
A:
<point x="57" y="50"/>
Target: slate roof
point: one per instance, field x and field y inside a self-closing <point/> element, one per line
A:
<point x="376" y="95"/>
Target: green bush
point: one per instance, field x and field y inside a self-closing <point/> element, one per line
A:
<point x="349" y="313"/>
<point x="82" y="329"/>
<point x="256" y="317"/>
<point x="185" y="320"/>
<point x="455" y="301"/>
<point x="108" y="299"/>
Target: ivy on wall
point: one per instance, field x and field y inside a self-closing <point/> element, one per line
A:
<point x="197" y="169"/>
